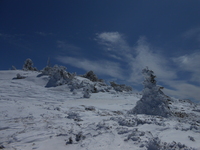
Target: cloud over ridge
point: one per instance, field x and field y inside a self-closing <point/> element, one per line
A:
<point x="128" y="61"/>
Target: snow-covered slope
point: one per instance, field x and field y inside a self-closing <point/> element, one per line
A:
<point x="35" y="117"/>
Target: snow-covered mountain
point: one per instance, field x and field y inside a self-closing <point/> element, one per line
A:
<point x="34" y="116"/>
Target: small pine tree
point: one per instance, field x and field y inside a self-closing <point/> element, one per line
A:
<point x="120" y="87"/>
<point x="58" y="75"/>
<point x="153" y="101"/>
<point x="92" y="77"/>
<point x="28" y="65"/>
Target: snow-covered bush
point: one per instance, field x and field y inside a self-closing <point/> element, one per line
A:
<point x="87" y="91"/>
<point x="88" y="86"/>
<point x="92" y="77"/>
<point x="58" y="76"/>
<point x="156" y="144"/>
<point x="120" y="87"/>
<point x="90" y="108"/>
<point x="101" y="87"/>
<point x="19" y="76"/>
<point x="74" y="115"/>
<point x="153" y="101"/>
<point x="47" y="70"/>
<point x="28" y="65"/>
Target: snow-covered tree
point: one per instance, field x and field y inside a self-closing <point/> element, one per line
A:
<point x="58" y="75"/>
<point x="92" y="77"/>
<point x="87" y="91"/>
<point x="28" y="65"/>
<point x="120" y="87"/>
<point x="47" y="70"/>
<point x="19" y="76"/>
<point x="153" y="101"/>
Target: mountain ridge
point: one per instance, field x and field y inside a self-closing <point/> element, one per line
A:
<point x="33" y="116"/>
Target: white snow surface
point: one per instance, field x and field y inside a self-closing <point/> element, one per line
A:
<point x="33" y="117"/>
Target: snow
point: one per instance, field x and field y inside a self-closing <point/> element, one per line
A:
<point x="33" y="117"/>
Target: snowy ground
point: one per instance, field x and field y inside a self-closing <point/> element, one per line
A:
<point x="35" y="117"/>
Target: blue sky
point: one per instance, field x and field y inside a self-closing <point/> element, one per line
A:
<point x="114" y="38"/>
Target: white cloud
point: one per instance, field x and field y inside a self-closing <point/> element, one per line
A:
<point x="183" y="90"/>
<point x="155" y="61"/>
<point x="112" y="37"/>
<point x="135" y="59"/>
<point x="115" y="56"/>
<point x="190" y="63"/>
<point x="11" y="36"/>
<point x="115" y="44"/>
<point x="66" y="48"/>
<point x="102" y="67"/>
<point x="193" y="33"/>
<point x="144" y="56"/>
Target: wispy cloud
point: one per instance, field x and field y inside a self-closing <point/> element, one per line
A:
<point x="193" y="33"/>
<point x="115" y="44"/>
<point x="136" y="57"/>
<point x="130" y="60"/>
<point x="183" y="90"/>
<point x="110" y="37"/>
<point x="2" y="35"/>
<point x="190" y="63"/>
<point x="18" y="40"/>
<point x="100" y="67"/>
<point x="67" y="48"/>
<point x="145" y="56"/>
<point x="11" y="36"/>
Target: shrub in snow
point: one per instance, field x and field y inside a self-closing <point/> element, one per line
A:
<point x="135" y="135"/>
<point x="153" y="101"/>
<point x="120" y="87"/>
<point x="191" y="138"/>
<point x="20" y="76"/>
<point x="58" y="76"/>
<point x="2" y="147"/>
<point x="90" y="108"/>
<point x="79" y="137"/>
<point x="134" y="120"/>
<point x="47" y="70"/>
<point x="156" y="144"/>
<point x="101" y="87"/>
<point x="70" y="141"/>
<point x="28" y="65"/>
<point x="87" y="91"/>
<point x="92" y="77"/>
<point x="75" y="116"/>
<point x="89" y="87"/>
